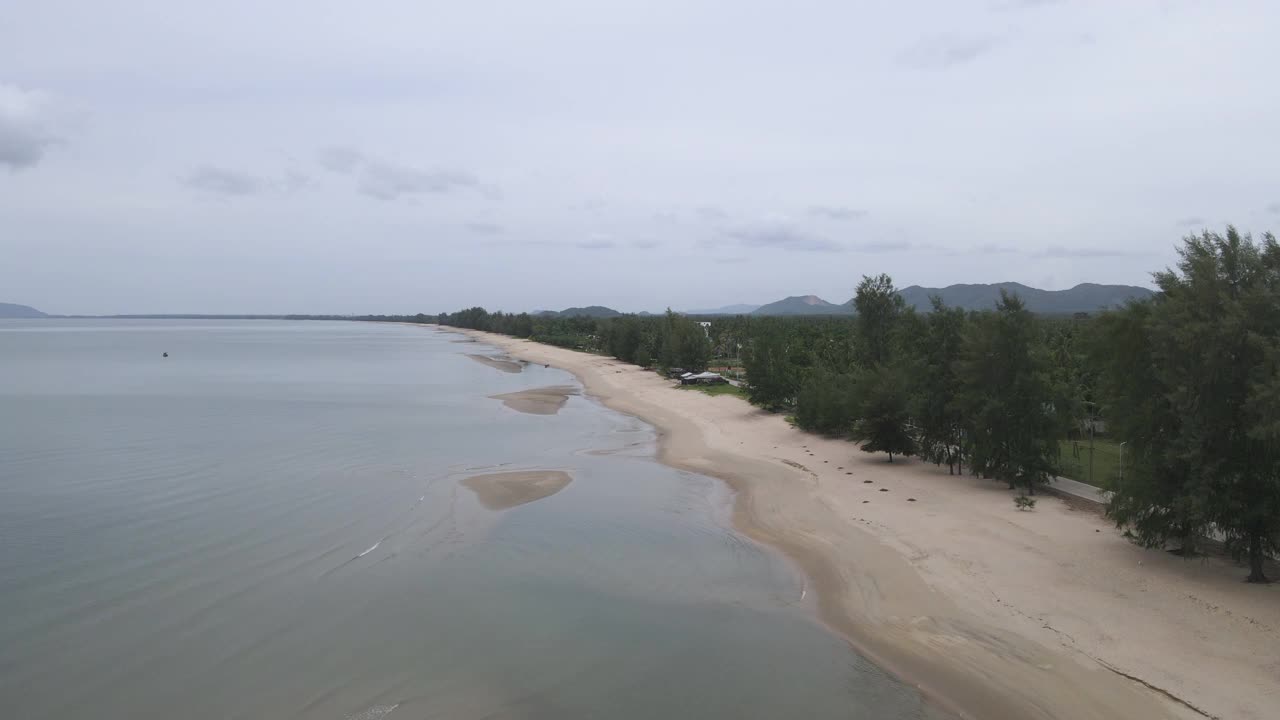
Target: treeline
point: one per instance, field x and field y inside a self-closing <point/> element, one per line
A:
<point x="665" y="341"/>
<point x="1189" y="380"/>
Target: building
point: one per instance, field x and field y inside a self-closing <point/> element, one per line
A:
<point x="703" y="378"/>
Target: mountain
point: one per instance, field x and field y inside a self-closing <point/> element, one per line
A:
<point x="726" y="310"/>
<point x="592" y="311"/>
<point x="802" y="305"/>
<point x="1085" y="297"/>
<point x="10" y="310"/>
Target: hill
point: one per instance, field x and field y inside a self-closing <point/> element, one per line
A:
<point x="1085" y="297"/>
<point x="802" y="305"/>
<point x="10" y="310"/>
<point x="592" y="311"/>
<point x="726" y="310"/>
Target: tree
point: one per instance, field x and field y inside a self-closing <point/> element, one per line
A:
<point x="772" y="380"/>
<point x="935" y="342"/>
<point x="878" y="306"/>
<point x="1215" y="330"/>
<point x="1012" y="423"/>
<point x="826" y="402"/>
<point x="644" y="356"/>
<point x="882" y="423"/>
<point x="683" y="343"/>
<point x="1153" y="497"/>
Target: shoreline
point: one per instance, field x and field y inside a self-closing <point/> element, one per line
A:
<point x="941" y="582"/>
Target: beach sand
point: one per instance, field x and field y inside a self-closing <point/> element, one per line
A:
<point x="496" y="363"/>
<point x="538" y="401"/>
<point x="991" y="612"/>
<point x="505" y="490"/>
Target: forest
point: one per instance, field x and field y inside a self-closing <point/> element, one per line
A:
<point x="1186" y="384"/>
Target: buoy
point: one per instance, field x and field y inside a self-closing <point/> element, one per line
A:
<point x="166" y="354"/>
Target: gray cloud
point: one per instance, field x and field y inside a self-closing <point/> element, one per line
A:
<point x="645" y="244"/>
<point x="783" y="238"/>
<point x="1193" y="221"/>
<point x="595" y="244"/>
<point x="882" y="246"/>
<point x="220" y="181"/>
<point x="710" y="213"/>
<point x="485" y="228"/>
<point x="26" y="130"/>
<point x="1274" y="207"/>
<point x="341" y="160"/>
<point x="945" y="51"/>
<point x="992" y="249"/>
<point x="1060" y="251"/>
<point x="390" y="181"/>
<point x="834" y="212"/>
<point x="1024" y="4"/>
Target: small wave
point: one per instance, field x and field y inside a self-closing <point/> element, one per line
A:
<point x="373" y="713"/>
<point x="366" y="552"/>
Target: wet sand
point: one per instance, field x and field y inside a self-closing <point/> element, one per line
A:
<point x="992" y="612"/>
<point x="508" y="366"/>
<point x="538" y="401"/>
<point x="505" y="490"/>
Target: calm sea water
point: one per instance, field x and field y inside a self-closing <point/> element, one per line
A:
<point x="268" y="524"/>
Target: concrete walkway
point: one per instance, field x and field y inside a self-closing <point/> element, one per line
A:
<point x="1075" y="489"/>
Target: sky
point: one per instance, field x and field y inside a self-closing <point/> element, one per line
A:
<point x="403" y="157"/>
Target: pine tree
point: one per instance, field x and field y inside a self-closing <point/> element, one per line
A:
<point x="1012" y="424"/>
<point x="882" y="423"/>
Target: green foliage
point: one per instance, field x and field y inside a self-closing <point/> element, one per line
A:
<point x="1022" y="502"/>
<point x="772" y="375"/>
<point x="934" y="343"/>
<point x="878" y="307"/>
<point x="1200" y="408"/>
<point x="881" y="407"/>
<point x="683" y="343"/>
<point x="717" y="390"/>
<point x="826" y="403"/>
<point x="1011" y="423"/>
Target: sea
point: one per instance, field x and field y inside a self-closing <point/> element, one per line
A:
<point x="268" y="523"/>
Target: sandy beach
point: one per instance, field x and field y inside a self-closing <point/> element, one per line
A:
<point x="538" y="401"/>
<point x="505" y="490"/>
<point x="992" y="612"/>
<point x="496" y="363"/>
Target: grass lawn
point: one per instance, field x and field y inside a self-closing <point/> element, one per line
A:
<point x="1106" y="461"/>
<point x="717" y="390"/>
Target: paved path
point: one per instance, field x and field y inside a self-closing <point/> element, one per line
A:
<point x="1067" y="486"/>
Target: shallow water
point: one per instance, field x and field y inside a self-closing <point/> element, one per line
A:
<point x="268" y="524"/>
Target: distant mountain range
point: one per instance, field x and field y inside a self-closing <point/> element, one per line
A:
<point x="10" y="310"/>
<point x="726" y="310"/>
<point x="1086" y="297"/>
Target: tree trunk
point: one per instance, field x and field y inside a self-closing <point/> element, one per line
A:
<point x="1256" y="558"/>
<point x="890" y="457"/>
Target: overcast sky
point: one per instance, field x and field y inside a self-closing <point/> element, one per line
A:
<point x="313" y="156"/>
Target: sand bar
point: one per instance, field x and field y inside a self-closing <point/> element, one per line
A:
<point x="505" y="490"/>
<point x="497" y="363"/>
<point x="992" y="612"/>
<point x="538" y="401"/>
